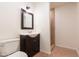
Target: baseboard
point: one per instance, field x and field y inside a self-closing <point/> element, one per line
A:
<point x="66" y="47"/>
<point x="77" y="51"/>
<point x="52" y="46"/>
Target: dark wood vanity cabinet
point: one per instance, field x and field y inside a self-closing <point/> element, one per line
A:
<point x="30" y="45"/>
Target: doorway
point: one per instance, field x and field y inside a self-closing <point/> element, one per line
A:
<point x="52" y="26"/>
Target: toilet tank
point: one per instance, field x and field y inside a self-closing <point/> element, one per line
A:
<point x="9" y="46"/>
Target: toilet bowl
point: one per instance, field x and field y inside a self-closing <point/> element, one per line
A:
<point x="9" y="46"/>
<point x="18" y="54"/>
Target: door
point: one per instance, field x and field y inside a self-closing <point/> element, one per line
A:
<point x="52" y="24"/>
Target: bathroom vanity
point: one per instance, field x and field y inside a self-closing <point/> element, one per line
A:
<point x="30" y="44"/>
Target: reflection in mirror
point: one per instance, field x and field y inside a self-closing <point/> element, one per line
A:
<point x="26" y="20"/>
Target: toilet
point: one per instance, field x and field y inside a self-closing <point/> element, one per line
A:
<point x="11" y="47"/>
<point x="18" y="54"/>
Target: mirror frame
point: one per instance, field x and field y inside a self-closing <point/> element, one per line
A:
<point x="22" y="19"/>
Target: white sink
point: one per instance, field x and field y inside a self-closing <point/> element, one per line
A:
<point x="32" y="34"/>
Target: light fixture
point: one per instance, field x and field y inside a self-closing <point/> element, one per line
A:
<point x="27" y="7"/>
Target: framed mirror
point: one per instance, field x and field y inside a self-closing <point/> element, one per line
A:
<point x="27" y="21"/>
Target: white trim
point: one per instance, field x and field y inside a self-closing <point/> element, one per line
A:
<point x="77" y="50"/>
<point x="66" y="47"/>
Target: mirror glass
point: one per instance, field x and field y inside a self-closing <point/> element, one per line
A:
<point x="26" y="20"/>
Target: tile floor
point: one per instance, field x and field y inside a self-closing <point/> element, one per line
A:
<point x="59" y="52"/>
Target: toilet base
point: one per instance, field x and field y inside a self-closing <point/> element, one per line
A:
<point x="18" y="54"/>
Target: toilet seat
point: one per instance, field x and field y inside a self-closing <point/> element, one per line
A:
<point x="18" y="54"/>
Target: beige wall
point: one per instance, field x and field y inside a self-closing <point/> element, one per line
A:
<point x="42" y="25"/>
<point x="77" y="42"/>
<point x="66" y="26"/>
<point x="10" y="19"/>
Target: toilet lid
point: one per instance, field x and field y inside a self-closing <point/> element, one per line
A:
<point x="18" y="54"/>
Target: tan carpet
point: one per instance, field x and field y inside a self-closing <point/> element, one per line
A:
<point x="59" y="52"/>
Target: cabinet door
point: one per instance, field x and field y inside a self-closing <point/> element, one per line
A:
<point x="28" y="45"/>
<point x="35" y="45"/>
<point x="22" y="43"/>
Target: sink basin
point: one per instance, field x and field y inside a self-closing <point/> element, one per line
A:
<point x="32" y="34"/>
